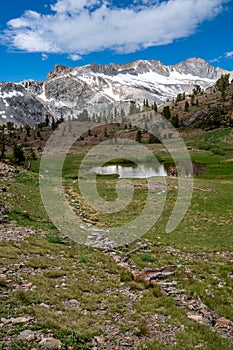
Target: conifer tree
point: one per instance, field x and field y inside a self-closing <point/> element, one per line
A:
<point x="139" y="136"/>
<point x="2" y="145"/>
<point x="166" y="112"/>
<point x="155" y="107"/>
<point x="18" y="153"/>
<point x="46" y="120"/>
<point x="222" y="84"/>
<point x="186" y="106"/>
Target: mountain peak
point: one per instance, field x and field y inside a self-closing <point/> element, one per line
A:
<point x="197" y="67"/>
<point x="59" y="69"/>
<point x="103" y="89"/>
<point x="197" y="59"/>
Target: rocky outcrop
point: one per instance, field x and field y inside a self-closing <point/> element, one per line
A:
<point x="199" y="67"/>
<point x="20" y="105"/>
<point x="101" y="89"/>
<point x="104" y="89"/>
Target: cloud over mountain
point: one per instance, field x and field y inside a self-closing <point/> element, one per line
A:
<point x="84" y="26"/>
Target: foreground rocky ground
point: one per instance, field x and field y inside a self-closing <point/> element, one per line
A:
<point x="146" y="300"/>
<point x="25" y="328"/>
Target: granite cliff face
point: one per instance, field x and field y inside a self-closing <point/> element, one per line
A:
<point x="198" y="67"/>
<point x="101" y="89"/>
<point x="20" y="105"/>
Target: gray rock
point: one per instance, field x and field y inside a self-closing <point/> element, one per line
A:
<point x="45" y="305"/>
<point x="3" y="279"/>
<point x="19" y="105"/>
<point x="26" y="335"/>
<point x="22" y="319"/>
<point x="82" y="91"/>
<point x="50" y="343"/>
<point x="196" y="318"/>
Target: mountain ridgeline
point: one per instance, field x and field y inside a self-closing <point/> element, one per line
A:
<point x="101" y="91"/>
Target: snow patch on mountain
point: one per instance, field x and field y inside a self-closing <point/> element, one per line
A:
<point x="102" y="89"/>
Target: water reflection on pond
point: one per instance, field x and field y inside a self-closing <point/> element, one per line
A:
<point x="131" y="172"/>
<point x="146" y="171"/>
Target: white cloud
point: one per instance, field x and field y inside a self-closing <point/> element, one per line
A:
<point x="229" y="54"/>
<point x="44" y="57"/>
<point x="68" y="6"/>
<point x="226" y="55"/>
<point x="214" y="60"/>
<point x="75" y="57"/>
<point x="84" y="26"/>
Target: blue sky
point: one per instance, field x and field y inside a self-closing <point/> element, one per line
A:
<point x="37" y="34"/>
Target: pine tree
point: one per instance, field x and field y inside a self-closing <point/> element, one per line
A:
<point x="10" y="125"/>
<point x="153" y="139"/>
<point x="192" y="100"/>
<point x="222" y="84"/>
<point x="139" y="136"/>
<point x="186" y="106"/>
<point x="46" y="120"/>
<point x="196" y="90"/>
<point x="54" y="124"/>
<point x="175" y="121"/>
<point x="29" y="157"/>
<point x="115" y="113"/>
<point x="166" y="112"/>
<point x="179" y="97"/>
<point x="155" y="107"/>
<point x="2" y="145"/>
<point x="122" y="113"/>
<point x="27" y="128"/>
<point x="18" y="153"/>
<point x="105" y="132"/>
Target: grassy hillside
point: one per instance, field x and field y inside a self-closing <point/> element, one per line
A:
<point x="84" y="297"/>
<point x="168" y="291"/>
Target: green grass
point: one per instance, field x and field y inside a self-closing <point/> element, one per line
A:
<point x="217" y="141"/>
<point x="62" y="270"/>
<point x="147" y="257"/>
<point x="55" y="239"/>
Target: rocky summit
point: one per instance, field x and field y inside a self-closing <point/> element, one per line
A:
<point x="101" y="89"/>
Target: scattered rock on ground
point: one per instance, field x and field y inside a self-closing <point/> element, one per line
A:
<point x="50" y="343"/>
<point x="26" y="335"/>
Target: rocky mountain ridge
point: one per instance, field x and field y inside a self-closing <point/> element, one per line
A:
<point x="101" y="89"/>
